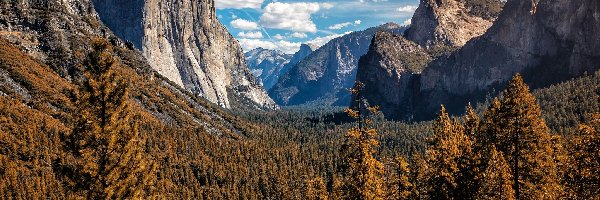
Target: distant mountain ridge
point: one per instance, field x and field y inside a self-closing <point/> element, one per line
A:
<point x="265" y="64"/>
<point x="324" y="76"/>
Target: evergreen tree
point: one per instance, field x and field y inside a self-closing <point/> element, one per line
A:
<point x="362" y="172"/>
<point x="106" y="143"/>
<point x="495" y="180"/>
<point x="446" y="158"/>
<point x="583" y="177"/>
<point x="405" y="189"/>
<point x="515" y="126"/>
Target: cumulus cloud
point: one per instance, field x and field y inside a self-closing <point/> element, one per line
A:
<point x="343" y="25"/>
<point x="279" y="37"/>
<point x="244" y="25"/>
<point x="407" y="9"/>
<point x="285" y="46"/>
<point x="253" y="35"/>
<point x="237" y="4"/>
<point x="291" y="16"/>
<point x="299" y="35"/>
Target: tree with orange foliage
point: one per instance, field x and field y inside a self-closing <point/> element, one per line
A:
<point x="362" y="172"/>
<point x="106" y="143"/>
<point x="583" y="176"/>
<point x="515" y="126"/>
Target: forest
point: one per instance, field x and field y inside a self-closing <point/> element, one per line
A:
<point x="95" y="140"/>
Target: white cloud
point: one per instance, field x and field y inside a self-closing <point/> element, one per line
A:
<point x="339" y="26"/>
<point x="244" y="24"/>
<point x="285" y="46"/>
<point x="343" y="25"/>
<point x="407" y="9"/>
<point x="407" y="22"/>
<point x="320" y="41"/>
<point x="291" y="16"/>
<point x="299" y="35"/>
<point x="253" y="35"/>
<point x="279" y="37"/>
<point x="237" y="4"/>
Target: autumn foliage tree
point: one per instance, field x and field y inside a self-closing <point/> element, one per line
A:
<point x="515" y="126"/>
<point x="362" y="172"/>
<point x="495" y="181"/>
<point x="583" y="176"/>
<point x="106" y="144"/>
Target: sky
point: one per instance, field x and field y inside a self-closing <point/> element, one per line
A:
<point x="286" y="24"/>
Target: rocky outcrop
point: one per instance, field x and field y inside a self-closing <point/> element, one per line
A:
<point x="184" y="41"/>
<point x="392" y="68"/>
<point x="325" y="75"/>
<point x="267" y="65"/>
<point x="452" y="22"/>
<point x="552" y="41"/>
<point x="388" y="72"/>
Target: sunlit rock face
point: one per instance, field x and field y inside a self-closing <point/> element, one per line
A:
<point x="184" y="41"/>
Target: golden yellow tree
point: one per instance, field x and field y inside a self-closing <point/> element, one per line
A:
<point x="106" y="143"/>
<point x="362" y="172"/>
<point x="404" y="186"/>
<point x="583" y="177"/>
<point x="515" y="126"/>
<point x="315" y="189"/>
<point x="495" y="181"/>
<point x="446" y="158"/>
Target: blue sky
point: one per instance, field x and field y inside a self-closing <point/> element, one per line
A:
<point x="285" y="24"/>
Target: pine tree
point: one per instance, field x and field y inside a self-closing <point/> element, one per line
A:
<point x="495" y="180"/>
<point x="405" y="188"/>
<point x="447" y="158"/>
<point x="583" y="177"/>
<point x="515" y="126"/>
<point x="362" y="172"/>
<point x="106" y="143"/>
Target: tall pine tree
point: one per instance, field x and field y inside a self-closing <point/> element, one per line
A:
<point x="362" y="172"/>
<point x="495" y="180"/>
<point x="106" y="143"/>
<point x="447" y="158"/>
<point x="515" y="126"/>
<point x="583" y="177"/>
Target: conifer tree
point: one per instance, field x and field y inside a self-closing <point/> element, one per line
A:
<point x="446" y="158"/>
<point x="106" y="143"/>
<point x="583" y="177"/>
<point x="515" y="126"/>
<point x="495" y="180"/>
<point x="405" y="188"/>
<point x="362" y="172"/>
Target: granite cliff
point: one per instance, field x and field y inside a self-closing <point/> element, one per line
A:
<point x="548" y="41"/>
<point x="184" y="41"/>
<point x="392" y="68"/>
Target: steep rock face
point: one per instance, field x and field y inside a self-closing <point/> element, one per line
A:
<point x="184" y="41"/>
<point x="267" y="65"/>
<point x="323" y="77"/>
<point x="392" y="68"/>
<point x="388" y="71"/>
<point x="552" y="41"/>
<point x="452" y="22"/>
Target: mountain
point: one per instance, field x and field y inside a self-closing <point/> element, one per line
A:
<point x="547" y="42"/>
<point x="323" y="77"/>
<point x="267" y="64"/>
<point x="184" y="41"/>
<point x="391" y="69"/>
<point x="44" y="44"/>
